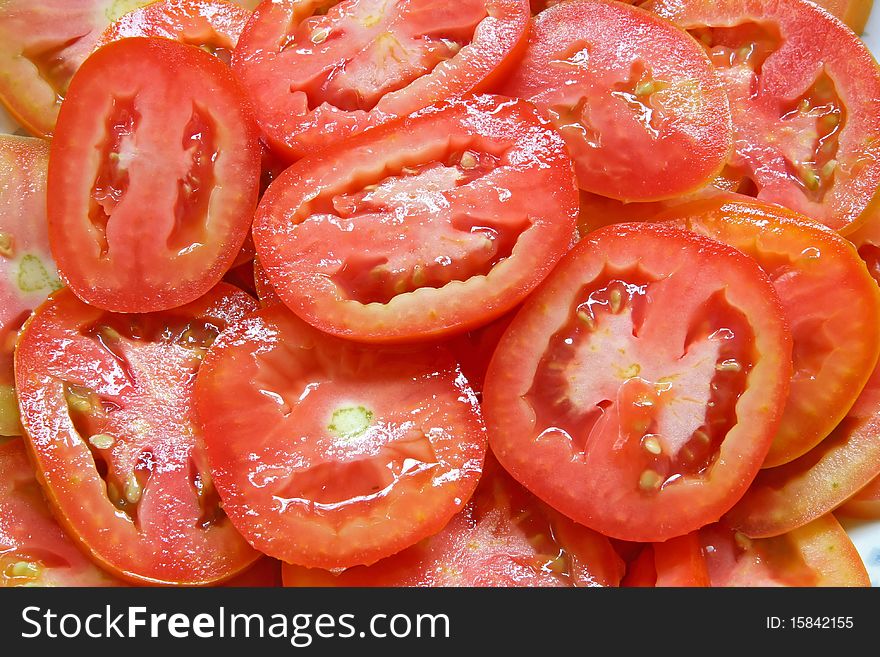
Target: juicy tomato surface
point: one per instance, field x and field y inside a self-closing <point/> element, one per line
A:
<point x="789" y="496"/>
<point x="331" y="454"/>
<point x="864" y="504"/>
<point x="27" y="272"/>
<point x="213" y="25"/>
<point x="676" y="562"/>
<point x="265" y="292"/>
<point x="817" y="554"/>
<point x="639" y="389"/>
<point x="433" y="224"/>
<point x="503" y="537"/>
<point x="830" y="301"/>
<point x="107" y="404"/>
<point x="803" y="92"/>
<point x="854" y="13"/>
<point x="153" y="133"/>
<point x="34" y="550"/>
<point x="319" y="71"/>
<point x="640" y="106"/>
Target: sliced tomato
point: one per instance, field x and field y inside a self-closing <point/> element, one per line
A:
<point x="34" y="550"/>
<point x="640" y="106"/>
<point x="597" y="211"/>
<point x="331" y="454"/>
<point x="27" y="272"/>
<point x="213" y="25"/>
<point x="867" y="240"/>
<point x="503" y="537"/>
<point x="790" y="496"/>
<point x="854" y="13"/>
<point x="324" y="70"/>
<point x="864" y="504"/>
<point x="817" y="554"/>
<point x="153" y="133"/>
<point x="830" y="301"/>
<point x="437" y="223"/>
<point x="676" y="562"/>
<point x="802" y="89"/>
<point x="106" y="401"/>
<point x="265" y="292"/>
<point x="639" y="389"/>
<point x="474" y="349"/>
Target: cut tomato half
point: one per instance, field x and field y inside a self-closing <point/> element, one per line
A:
<point x="830" y="301"/>
<point x="153" y="176"/>
<point x="639" y="388"/>
<point x="802" y="89"/>
<point x="503" y="537"/>
<point x="106" y="402"/>
<point x="640" y="106"/>
<point x="436" y="223"/>
<point x="330" y="454"/>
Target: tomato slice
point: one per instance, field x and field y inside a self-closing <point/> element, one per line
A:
<point x="27" y="272"/>
<point x="433" y="224"/>
<point x="641" y="108"/>
<point x="265" y="292"/>
<point x="802" y="89"/>
<point x="140" y="143"/>
<point x="330" y="454"/>
<point x="790" y="496"/>
<point x="106" y="401"/>
<point x="598" y="211"/>
<point x="34" y="550"/>
<point x="854" y="13"/>
<point x="817" y="554"/>
<point x="639" y="388"/>
<point x="676" y="562"/>
<point x="864" y="504"/>
<point x="322" y="70"/>
<point x="503" y="537"/>
<point x="213" y="25"/>
<point x="830" y="302"/>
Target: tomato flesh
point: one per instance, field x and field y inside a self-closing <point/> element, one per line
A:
<point x="331" y="454"/>
<point x="676" y="562"/>
<point x="639" y="389"/>
<point x="864" y="504"/>
<point x="106" y="402"/>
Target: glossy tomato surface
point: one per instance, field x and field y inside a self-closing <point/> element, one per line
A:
<point x="107" y="404"/>
<point x="331" y="454"/>
<point x="639" y="389"/>
<point x="640" y="106"/>
<point x="503" y="537"/>
<point x="676" y="562"/>
<point x="321" y="71"/>
<point x="426" y="226"/>
<point x="864" y="504"/>
<point x="803" y="90"/>
<point x="154" y="134"/>
<point x="830" y="301"/>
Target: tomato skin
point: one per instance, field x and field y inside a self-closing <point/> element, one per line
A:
<point x="404" y="236"/>
<point x="817" y="554"/>
<point x="790" y="496"/>
<point x="134" y="173"/>
<point x="802" y="102"/>
<point x="581" y="484"/>
<point x="618" y="83"/>
<point x="297" y="123"/>
<point x="166" y="529"/>
<point x="503" y="537"/>
<point x="824" y="288"/>
<point x="341" y="492"/>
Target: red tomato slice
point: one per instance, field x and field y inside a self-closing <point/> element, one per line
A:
<point x="817" y="554"/>
<point x="153" y="133"/>
<point x="27" y="272"/>
<point x="802" y="89"/>
<point x="106" y="400"/>
<point x="213" y="25"/>
<point x="433" y="224"/>
<point x="265" y="292"/>
<point x="640" y="106"/>
<point x="330" y="454"/>
<point x="854" y="13"/>
<point x="503" y="537"/>
<point x="320" y="71"/>
<point x="792" y="495"/>
<point x="676" y="562"/>
<point x="639" y="388"/>
<point x="830" y="302"/>
<point x="34" y="550"/>
<point x="474" y="349"/>
<point x="864" y="504"/>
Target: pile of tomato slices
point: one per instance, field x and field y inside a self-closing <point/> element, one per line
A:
<point x="408" y="293"/>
